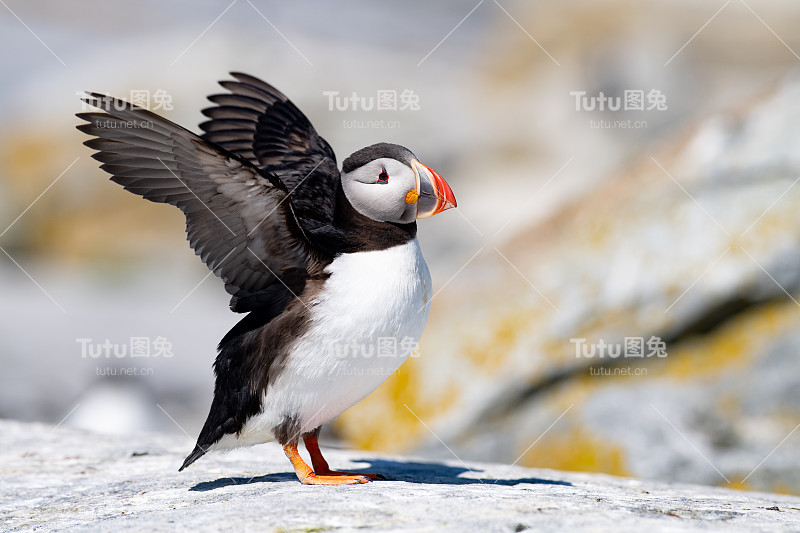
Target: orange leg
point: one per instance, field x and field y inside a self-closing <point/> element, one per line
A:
<point x="321" y="465"/>
<point x="308" y="477"/>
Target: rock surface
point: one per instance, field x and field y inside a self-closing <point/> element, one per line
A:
<point x="63" y="478"/>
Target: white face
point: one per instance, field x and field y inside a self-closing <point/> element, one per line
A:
<point x="378" y="190"/>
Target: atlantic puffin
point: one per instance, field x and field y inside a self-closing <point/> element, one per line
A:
<point x="325" y="263"/>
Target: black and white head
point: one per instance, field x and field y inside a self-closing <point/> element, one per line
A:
<point x="386" y="182"/>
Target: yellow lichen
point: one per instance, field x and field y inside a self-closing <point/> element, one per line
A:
<point x="733" y="345"/>
<point x="736" y="484"/>
<point x="490" y="355"/>
<point x="576" y="449"/>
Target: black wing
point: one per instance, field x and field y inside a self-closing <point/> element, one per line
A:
<point x="239" y="219"/>
<point x="257" y="122"/>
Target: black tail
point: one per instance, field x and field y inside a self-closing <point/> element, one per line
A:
<point x="196" y="454"/>
<point x="235" y="398"/>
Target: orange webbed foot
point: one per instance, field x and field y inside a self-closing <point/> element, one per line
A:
<point x="334" y="479"/>
<point x="328" y="472"/>
<point x="324" y="476"/>
<point x="321" y="467"/>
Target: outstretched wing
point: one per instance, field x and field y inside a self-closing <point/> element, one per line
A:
<point x="239" y="219"/>
<point x="257" y="122"/>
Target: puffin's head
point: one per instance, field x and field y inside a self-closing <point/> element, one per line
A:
<point x="385" y="182"/>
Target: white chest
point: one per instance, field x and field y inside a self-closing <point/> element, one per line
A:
<point x="364" y="325"/>
<point x="374" y="294"/>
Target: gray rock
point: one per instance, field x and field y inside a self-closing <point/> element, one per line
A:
<point x="57" y="478"/>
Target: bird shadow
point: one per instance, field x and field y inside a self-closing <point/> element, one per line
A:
<point x="408" y="471"/>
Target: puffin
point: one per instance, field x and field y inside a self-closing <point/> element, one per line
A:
<point x="324" y="263"/>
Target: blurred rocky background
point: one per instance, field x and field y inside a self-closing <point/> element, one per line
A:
<point x="676" y="224"/>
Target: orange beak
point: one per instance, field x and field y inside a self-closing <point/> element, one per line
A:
<point x="435" y="195"/>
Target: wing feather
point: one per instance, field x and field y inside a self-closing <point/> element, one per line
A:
<point x="259" y="123"/>
<point x="239" y="219"/>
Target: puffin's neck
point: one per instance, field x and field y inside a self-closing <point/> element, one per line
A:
<point x="364" y="234"/>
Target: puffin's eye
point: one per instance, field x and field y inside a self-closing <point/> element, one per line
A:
<point x="383" y="177"/>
